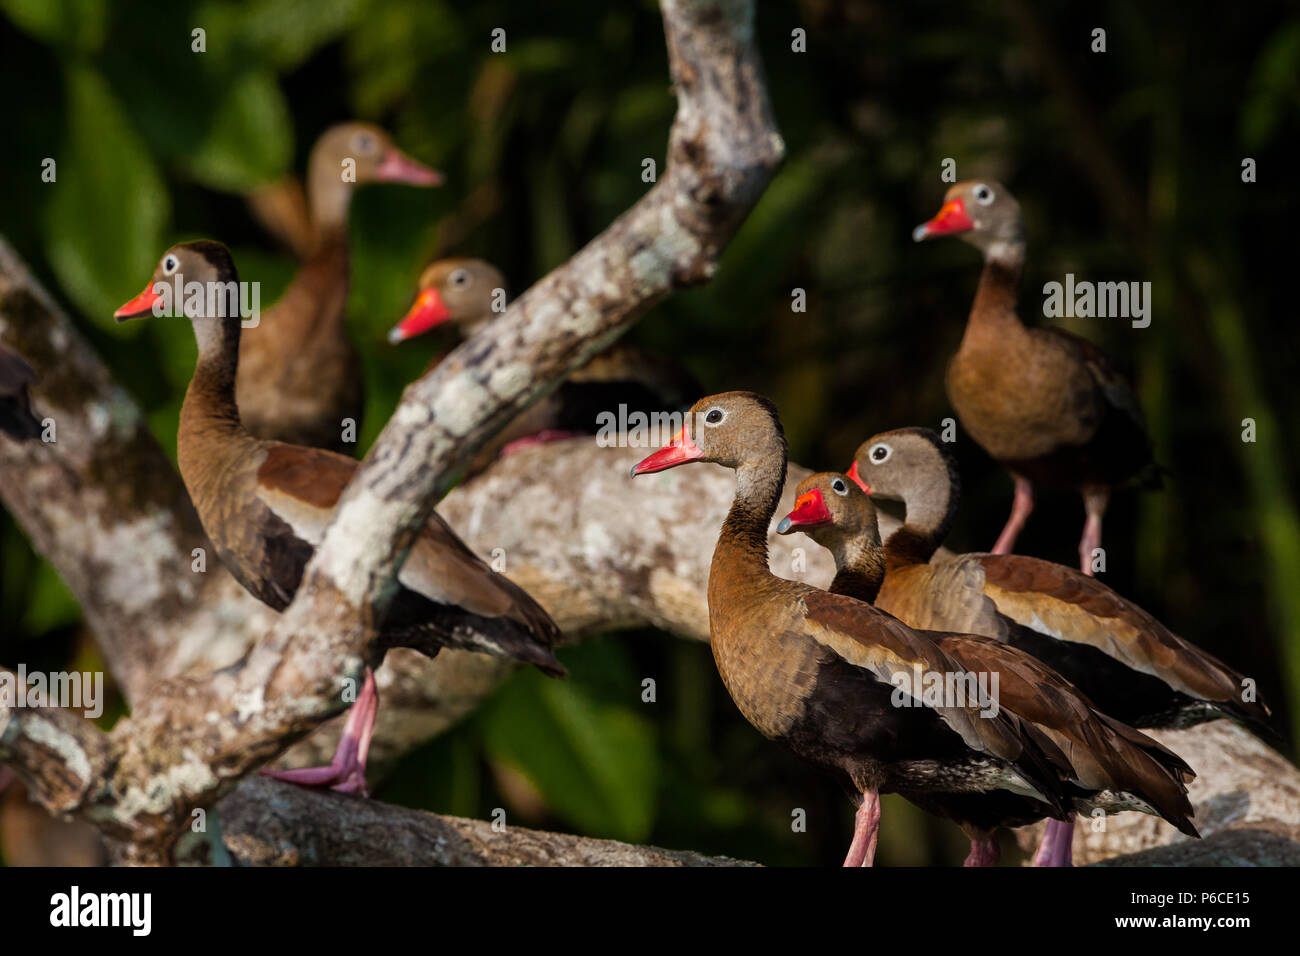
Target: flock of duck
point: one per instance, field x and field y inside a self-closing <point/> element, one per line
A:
<point x="992" y="689"/>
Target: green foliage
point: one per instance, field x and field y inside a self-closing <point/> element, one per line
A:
<point x="542" y="146"/>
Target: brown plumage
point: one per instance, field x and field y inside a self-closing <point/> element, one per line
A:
<point x="829" y="676"/>
<point x="1041" y="401"/>
<point x="16" y="376"/>
<point x="1132" y="666"/>
<point x="470" y="293"/>
<point x="299" y="373"/>
<point x="1116" y="767"/>
<point x="267" y="504"/>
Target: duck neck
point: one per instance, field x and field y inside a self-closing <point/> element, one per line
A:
<point x="328" y="199"/>
<point x="209" y="409"/>
<point x="860" y="569"/>
<point x="930" y="514"/>
<point x="743" y="540"/>
<point x="994" y="309"/>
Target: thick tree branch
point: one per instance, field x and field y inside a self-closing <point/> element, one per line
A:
<point x="266" y="823"/>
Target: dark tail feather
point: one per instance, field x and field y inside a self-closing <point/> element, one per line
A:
<point x="416" y="622"/>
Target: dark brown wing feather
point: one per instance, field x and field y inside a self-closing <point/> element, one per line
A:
<point x="1077" y="608"/>
<point x="495" y="613"/>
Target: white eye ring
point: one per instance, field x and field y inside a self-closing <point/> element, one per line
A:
<point x="983" y="195"/>
<point x="170" y="264"/>
<point x="875" y="455"/>
<point x="459" y="277"/>
<point x="722" y="416"/>
<point x="839" y="486"/>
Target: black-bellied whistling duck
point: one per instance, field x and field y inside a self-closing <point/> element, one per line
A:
<point x="1130" y="665"/>
<point x="267" y="504"/>
<point x="837" y="681"/>
<point x="1108" y="757"/>
<point x="470" y="293"/>
<point x="299" y="373"/>
<point x="16" y="418"/>
<point x="1041" y="401"/>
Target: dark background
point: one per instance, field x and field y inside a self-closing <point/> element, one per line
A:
<point x="1127" y="164"/>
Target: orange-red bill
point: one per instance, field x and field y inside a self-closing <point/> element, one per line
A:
<point x="678" y="451"/>
<point x="950" y="218"/>
<point x="428" y="312"/>
<point x="857" y="479"/>
<point x="809" y="511"/>
<point x="142" y="304"/>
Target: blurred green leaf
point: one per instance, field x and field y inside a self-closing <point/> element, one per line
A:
<point x="104" y="220"/>
<point x="249" y="138"/>
<point x="51" y="603"/>
<point x="78" y="24"/>
<point x="595" y="763"/>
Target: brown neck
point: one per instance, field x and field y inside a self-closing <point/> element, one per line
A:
<point x="860" y="572"/>
<point x="930" y="513"/>
<point x="328" y="198"/>
<point x="759" y="484"/>
<point x="209" y="412"/>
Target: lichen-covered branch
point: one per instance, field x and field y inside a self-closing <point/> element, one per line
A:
<point x="266" y="823"/>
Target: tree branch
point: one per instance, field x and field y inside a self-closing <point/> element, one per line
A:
<point x="267" y="823"/>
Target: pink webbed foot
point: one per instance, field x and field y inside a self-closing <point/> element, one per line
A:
<point x="1057" y="846"/>
<point x="983" y="852"/>
<point x="866" y="827"/>
<point x="347" y="770"/>
<point x="1021" y="507"/>
<point x="549" y="434"/>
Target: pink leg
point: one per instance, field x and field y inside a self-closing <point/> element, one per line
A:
<point x="983" y="852"/>
<point x="866" y="827"/>
<point x="347" y="771"/>
<point x="1020" y="509"/>
<point x="1057" y="846"/>
<point x="549" y="434"/>
<point x="1094" y="505"/>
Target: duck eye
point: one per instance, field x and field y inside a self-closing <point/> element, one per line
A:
<point x="459" y="277"/>
<point x="839" y="487"/>
<point x="363" y="142"/>
<point x="880" y="453"/>
<point x="169" y="264"/>
<point x="983" y="194"/>
<point x="714" y="416"/>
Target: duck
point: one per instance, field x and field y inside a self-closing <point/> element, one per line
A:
<point x="468" y="293"/>
<point x="838" y="681"/>
<point x="266" y="505"/>
<point x="1122" y="657"/>
<point x="1044" y="403"/>
<point x="16" y="377"/>
<point x="1108" y="756"/>
<point x="299" y="373"/>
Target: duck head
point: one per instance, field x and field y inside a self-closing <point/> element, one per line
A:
<point x="463" y="291"/>
<point x="204" y="262"/>
<point x="905" y="464"/>
<point x="981" y="211"/>
<point x="731" y="429"/>
<point x="833" y="511"/>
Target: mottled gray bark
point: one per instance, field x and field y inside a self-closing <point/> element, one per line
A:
<point x="266" y="823"/>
